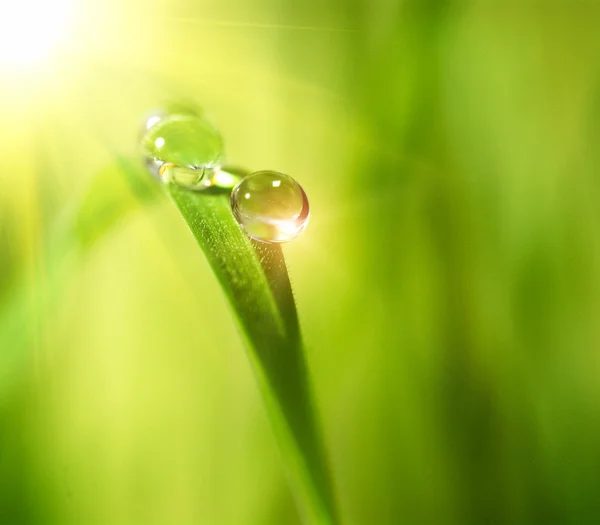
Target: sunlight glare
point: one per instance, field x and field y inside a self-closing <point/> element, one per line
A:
<point x="30" y="30"/>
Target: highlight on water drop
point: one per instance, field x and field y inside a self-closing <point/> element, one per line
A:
<point x="270" y="206"/>
<point x="183" y="148"/>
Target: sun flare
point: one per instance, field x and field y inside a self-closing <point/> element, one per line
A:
<point x="30" y="30"/>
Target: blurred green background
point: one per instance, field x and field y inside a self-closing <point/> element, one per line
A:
<point x="448" y="284"/>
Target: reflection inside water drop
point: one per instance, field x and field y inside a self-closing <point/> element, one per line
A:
<point x="194" y="178"/>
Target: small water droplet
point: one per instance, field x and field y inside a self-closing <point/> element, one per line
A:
<point x="193" y="178"/>
<point x="270" y="206"/>
<point x="182" y="148"/>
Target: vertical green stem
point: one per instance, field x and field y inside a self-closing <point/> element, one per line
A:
<point x="255" y="280"/>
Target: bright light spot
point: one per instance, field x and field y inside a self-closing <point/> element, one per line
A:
<point x="287" y="227"/>
<point x="159" y="142"/>
<point x="247" y="196"/>
<point x="224" y="179"/>
<point x="30" y="29"/>
<point x="151" y="121"/>
<point x="276" y="183"/>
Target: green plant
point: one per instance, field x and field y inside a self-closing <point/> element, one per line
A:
<point x="254" y="278"/>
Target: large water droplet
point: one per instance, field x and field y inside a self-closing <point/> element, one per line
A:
<point x="270" y="206"/>
<point x="182" y="148"/>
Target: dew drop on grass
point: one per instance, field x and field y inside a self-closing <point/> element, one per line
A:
<point x="270" y="206"/>
<point x="182" y="148"/>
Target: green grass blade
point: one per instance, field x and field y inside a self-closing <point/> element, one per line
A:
<point x="254" y="278"/>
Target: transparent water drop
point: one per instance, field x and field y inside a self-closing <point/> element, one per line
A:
<point x="193" y="178"/>
<point x="182" y="148"/>
<point x="270" y="206"/>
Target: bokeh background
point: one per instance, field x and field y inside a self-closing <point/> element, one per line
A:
<point x="448" y="284"/>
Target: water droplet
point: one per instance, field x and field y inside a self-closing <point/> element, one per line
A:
<point x="270" y="206"/>
<point x="182" y="148"/>
<point x="194" y="178"/>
